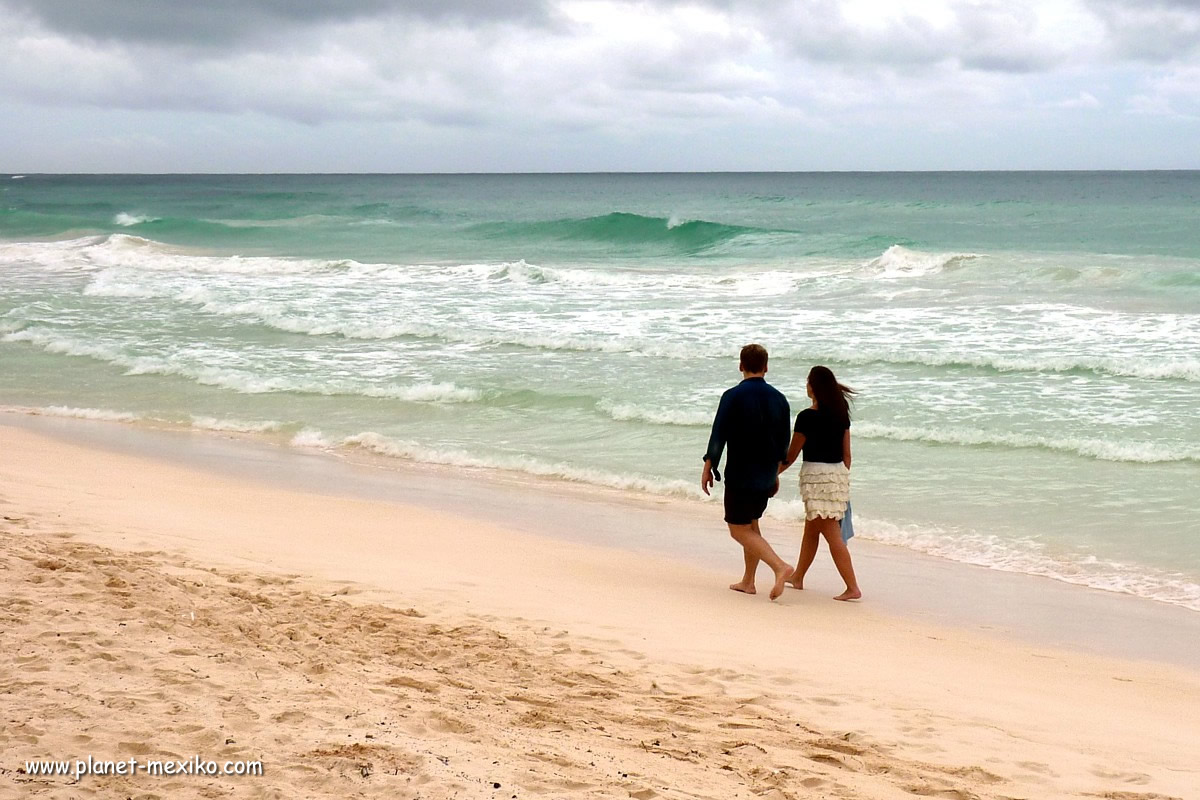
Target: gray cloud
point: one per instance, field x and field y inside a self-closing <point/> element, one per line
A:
<point x="991" y="35"/>
<point x="528" y="70"/>
<point x="1151" y="30"/>
<point x="217" y="22"/>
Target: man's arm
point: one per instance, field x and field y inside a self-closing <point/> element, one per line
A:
<point x="783" y="436"/>
<point x="716" y="445"/>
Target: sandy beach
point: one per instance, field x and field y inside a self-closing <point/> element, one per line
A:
<point x="363" y="646"/>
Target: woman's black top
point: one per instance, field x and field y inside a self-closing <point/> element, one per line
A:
<point x="823" y="435"/>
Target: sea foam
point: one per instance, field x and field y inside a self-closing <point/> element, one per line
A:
<point x="397" y="448"/>
<point x="128" y="220"/>
<point x="237" y="380"/>
<point x="1170" y="368"/>
<point x="101" y="414"/>
<point x="234" y="425"/>
<point x="901" y="262"/>
<point x="311" y="438"/>
<point x="629" y="412"/>
<point x="1100" y="449"/>
<point x="123" y="250"/>
<point x="1031" y="557"/>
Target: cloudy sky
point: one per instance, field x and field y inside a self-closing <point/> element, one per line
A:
<point x="554" y="85"/>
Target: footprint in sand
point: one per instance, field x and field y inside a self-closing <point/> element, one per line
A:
<point x="403" y="681"/>
<point x="926" y="790"/>
<point x="838" y="746"/>
<point x="442" y="723"/>
<point x="975" y="775"/>
<point x="1139" y="778"/>
<point x="833" y="761"/>
<point x="1038" y="767"/>
<point x="134" y="748"/>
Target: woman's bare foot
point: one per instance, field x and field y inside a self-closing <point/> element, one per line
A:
<point x="781" y="579"/>
<point x="849" y="594"/>
<point x="743" y="587"/>
<point x="796" y="581"/>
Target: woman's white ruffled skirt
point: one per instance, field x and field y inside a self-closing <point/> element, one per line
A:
<point x="825" y="489"/>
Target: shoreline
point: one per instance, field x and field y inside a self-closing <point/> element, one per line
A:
<point x="904" y="583"/>
<point x="1160" y="583"/>
<point x="1157" y="580"/>
<point x="545" y="665"/>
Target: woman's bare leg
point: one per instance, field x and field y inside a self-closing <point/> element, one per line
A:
<point x="808" y="551"/>
<point x="832" y="531"/>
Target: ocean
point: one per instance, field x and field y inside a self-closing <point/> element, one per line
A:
<point x="1026" y="346"/>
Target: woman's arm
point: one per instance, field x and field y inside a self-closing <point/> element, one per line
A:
<point x="793" y="450"/>
<point x="846" y="449"/>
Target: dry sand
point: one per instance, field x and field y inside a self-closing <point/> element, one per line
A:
<point x="362" y="648"/>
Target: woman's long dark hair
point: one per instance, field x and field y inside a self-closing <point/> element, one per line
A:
<point x="830" y="395"/>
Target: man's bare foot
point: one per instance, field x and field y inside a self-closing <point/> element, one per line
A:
<point x="849" y="594"/>
<point x="743" y="587"/>
<point x="781" y="579"/>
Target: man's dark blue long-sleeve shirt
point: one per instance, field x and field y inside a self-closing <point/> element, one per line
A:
<point x="754" y="421"/>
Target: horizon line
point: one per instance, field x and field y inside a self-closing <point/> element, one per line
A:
<point x="18" y="174"/>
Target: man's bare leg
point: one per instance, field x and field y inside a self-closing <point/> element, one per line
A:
<point x="754" y="544"/>
<point x="832" y="532"/>
<point x="808" y="552"/>
<point x="746" y="584"/>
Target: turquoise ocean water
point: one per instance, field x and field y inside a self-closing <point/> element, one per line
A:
<point x="1026" y="345"/>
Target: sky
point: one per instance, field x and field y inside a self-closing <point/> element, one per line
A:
<point x="596" y="85"/>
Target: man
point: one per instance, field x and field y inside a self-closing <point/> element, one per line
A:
<point x="754" y="421"/>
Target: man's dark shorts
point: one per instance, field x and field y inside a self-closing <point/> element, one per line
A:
<point x="743" y="506"/>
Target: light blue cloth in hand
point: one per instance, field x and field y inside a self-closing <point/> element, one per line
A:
<point x="847" y="525"/>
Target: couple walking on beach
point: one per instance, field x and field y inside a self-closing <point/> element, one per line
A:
<point x="753" y="420"/>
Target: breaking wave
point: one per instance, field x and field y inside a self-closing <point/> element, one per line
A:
<point x="127" y="220"/>
<point x="623" y="229"/>
<point x="628" y="412"/>
<point x="899" y="261"/>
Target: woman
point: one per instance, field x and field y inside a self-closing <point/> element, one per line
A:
<point x="822" y="433"/>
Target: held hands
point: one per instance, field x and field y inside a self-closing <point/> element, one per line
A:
<point x="706" y="477"/>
